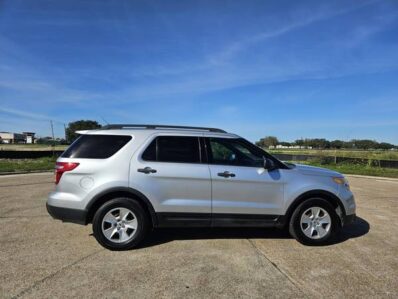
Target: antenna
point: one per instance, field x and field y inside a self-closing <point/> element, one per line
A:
<point x="104" y="120"/>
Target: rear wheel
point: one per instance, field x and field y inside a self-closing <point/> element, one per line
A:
<point x="314" y="222"/>
<point x="120" y="224"/>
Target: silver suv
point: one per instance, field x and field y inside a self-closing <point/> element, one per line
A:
<point x="128" y="179"/>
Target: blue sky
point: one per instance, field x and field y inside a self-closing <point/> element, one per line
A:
<point x="286" y="68"/>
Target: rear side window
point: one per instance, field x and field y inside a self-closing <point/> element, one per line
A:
<point x="173" y="149"/>
<point x="96" y="146"/>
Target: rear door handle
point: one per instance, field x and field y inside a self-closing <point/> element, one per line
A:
<point x="226" y="174"/>
<point x="146" y="170"/>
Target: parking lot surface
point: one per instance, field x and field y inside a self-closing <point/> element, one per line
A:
<point x="44" y="258"/>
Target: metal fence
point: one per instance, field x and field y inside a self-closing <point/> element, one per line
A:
<point x="283" y="157"/>
<point x="28" y="154"/>
<point x="332" y="159"/>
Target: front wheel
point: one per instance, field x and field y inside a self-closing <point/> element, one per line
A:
<point x="314" y="222"/>
<point x="120" y="224"/>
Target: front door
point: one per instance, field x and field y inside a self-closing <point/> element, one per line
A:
<point x="240" y="184"/>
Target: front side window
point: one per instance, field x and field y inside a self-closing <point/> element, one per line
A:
<point x="173" y="149"/>
<point x="226" y="151"/>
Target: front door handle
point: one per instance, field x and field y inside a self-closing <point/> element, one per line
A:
<point x="226" y="174"/>
<point x="146" y="170"/>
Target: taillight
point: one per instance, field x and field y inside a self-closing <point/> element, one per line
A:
<point x="61" y="167"/>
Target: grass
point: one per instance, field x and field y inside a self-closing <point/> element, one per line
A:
<point x="28" y="165"/>
<point x="363" y="154"/>
<point x="41" y="164"/>
<point x="360" y="169"/>
<point x="31" y="147"/>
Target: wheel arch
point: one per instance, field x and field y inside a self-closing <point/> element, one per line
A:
<point x="97" y="201"/>
<point x="330" y="197"/>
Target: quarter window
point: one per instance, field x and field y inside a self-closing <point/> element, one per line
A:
<point x="96" y="146"/>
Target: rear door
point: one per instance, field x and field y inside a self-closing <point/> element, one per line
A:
<point x="240" y="184"/>
<point x="170" y="172"/>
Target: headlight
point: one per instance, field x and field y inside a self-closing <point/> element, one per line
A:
<point x="341" y="181"/>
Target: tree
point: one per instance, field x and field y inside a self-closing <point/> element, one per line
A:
<point x="322" y="143"/>
<point x="318" y="143"/>
<point x="299" y="142"/>
<point x="268" y="141"/>
<point x="337" y="144"/>
<point x="365" y="144"/>
<point x="79" y="125"/>
<point x="386" y="146"/>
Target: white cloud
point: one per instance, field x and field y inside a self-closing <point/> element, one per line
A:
<point x="30" y="115"/>
<point x="313" y="16"/>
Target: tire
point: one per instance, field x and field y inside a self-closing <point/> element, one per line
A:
<point x="314" y="222"/>
<point x="120" y="224"/>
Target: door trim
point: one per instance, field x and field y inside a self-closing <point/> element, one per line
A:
<point x="166" y="219"/>
<point x="216" y="220"/>
<point x="243" y="220"/>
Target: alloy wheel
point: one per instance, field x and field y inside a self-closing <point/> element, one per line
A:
<point x="315" y="222"/>
<point x="119" y="225"/>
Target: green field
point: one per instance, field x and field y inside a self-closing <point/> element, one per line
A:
<point x="26" y="165"/>
<point x="31" y="147"/>
<point x="375" y="155"/>
<point x="349" y="168"/>
<point x="360" y="168"/>
<point x="47" y="164"/>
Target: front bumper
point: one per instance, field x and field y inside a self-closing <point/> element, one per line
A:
<point x="67" y="215"/>
<point x="348" y="219"/>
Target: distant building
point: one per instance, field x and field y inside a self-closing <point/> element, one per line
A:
<point x="279" y="146"/>
<point x="7" y="137"/>
<point x="26" y="137"/>
<point x="29" y="137"/>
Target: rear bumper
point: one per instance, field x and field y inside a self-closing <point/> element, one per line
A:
<point x="67" y="215"/>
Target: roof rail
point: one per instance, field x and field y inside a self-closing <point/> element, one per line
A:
<point x="134" y="126"/>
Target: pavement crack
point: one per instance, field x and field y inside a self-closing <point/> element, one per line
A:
<point x="39" y="282"/>
<point x="261" y="254"/>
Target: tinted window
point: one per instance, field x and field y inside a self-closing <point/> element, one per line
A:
<point x="234" y="152"/>
<point x="173" y="149"/>
<point x="96" y="146"/>
<point x="150" y="152"/>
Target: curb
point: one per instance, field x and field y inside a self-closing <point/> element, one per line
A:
<point x="383" y="178"/>
<point x="25" y="172"/>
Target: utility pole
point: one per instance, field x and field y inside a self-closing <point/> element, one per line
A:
<point x="66" y="139"/>
<point x="52" y="133"/>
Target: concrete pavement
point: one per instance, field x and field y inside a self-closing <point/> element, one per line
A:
<point x="42" y="257"/>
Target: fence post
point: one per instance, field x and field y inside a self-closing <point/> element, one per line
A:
<point x="335" y="156"/>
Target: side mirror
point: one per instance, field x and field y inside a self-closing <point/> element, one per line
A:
<point x="269" y="164"/>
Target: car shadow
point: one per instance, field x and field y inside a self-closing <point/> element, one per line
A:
<point x="159" y="236"/>
<point x="358" y="228"/>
